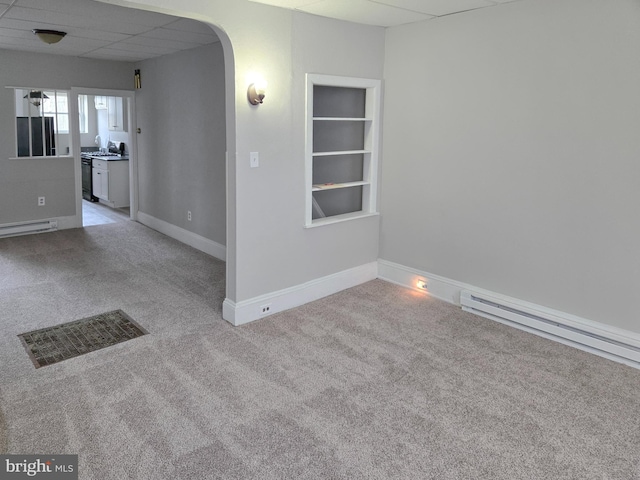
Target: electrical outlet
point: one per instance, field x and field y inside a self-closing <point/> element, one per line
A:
<point x="265" y="309"/>
<point x="189" y="215"/>
<point x="41" y="201"/>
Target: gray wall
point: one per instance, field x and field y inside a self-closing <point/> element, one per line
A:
<point x="181" y="150"/>
<point x="274" y="250"/>
<point x="515" y="165"/>
<point x="22" y="181"/>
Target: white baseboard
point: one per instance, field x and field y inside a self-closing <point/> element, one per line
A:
<point x="249" y="310"/>
<point x="439" y="287"/>
<point x="449" y="291"/>
<point x="73" y="221"/>
<point x="185" y="236"/>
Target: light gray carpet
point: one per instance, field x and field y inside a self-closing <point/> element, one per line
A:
<point x="375" y="382"/>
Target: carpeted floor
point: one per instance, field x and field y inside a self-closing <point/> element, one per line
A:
<point x="375" y="382"/>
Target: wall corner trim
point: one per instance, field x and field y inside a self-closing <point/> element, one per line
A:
<point x="245" y="311"/>
<point x="610" y="342"/>
<point x="185" y="236"/>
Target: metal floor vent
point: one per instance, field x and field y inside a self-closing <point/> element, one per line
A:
<point x="54" y="344"/>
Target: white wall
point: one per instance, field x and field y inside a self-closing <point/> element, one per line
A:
<point x="181" y="147"/>
<point x="514" y="167"/>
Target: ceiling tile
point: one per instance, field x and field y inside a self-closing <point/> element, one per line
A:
<point x="363" y="11"/>
<point x="287" y="3"/>
<point x="193" y="37"/>
<point x="437" y="7"/>
<point x="143" y="49"/>
<point x="188" y="25"/>
<point x="98" y="29"/>
<point x="82" y="44"/>
<point x="104" y="13"/>
<point x="27" y="26"/>
<point x="12" y="32"/>
<point x="57" y="18"/>
<point x="113" y="54"/>
<point x="175" y="43"/>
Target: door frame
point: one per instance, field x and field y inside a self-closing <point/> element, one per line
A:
<point x="132" y="144"/>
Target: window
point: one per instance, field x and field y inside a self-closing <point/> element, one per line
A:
<point x="83" y="105"/>
<point x="56" y="107"/>
<point x="42" y="122"/>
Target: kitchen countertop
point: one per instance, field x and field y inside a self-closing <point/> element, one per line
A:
<point x="111" y="158"/>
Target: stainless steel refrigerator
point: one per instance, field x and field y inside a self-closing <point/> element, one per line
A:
<point x="42" y="136"/>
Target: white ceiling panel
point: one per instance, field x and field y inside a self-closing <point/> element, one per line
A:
<point x="101" y="12"/>
<point x="167" y="43"/>
<point x="287" y="3"/>
<point x="437" y="7"/>
<point x="141" y="49"/>
<point x="57" y="18"/>
<point x="27" y="26"/>
<point x="113" y="54"/>
<point x="193" y="37"/>
<point x="106" y="31"/>
<point x="98" y="30"/>
<point x="369" y="11"/>
<point x="187" y="25"/>
<point x="364" y="11"/>
<point x="11" y="32"/>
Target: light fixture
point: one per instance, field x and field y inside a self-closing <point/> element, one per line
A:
<point x="422" y="284"/>
<point x="256" y="92"/>
<point x="35" y="97"/>
<point x="49" y="36"/>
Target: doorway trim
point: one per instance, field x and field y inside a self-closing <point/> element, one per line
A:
<point x="133" y="146"/>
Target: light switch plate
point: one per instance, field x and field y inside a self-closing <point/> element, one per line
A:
<point x="254" y="159"/>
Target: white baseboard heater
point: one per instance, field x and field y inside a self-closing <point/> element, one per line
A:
<point x="30" y="227"/>
<point x="553" y="325"/>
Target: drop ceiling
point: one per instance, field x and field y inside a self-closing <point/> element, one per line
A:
<point x="384" y="13"/>
<point x="98" y="30"/>
<point x="110" y="32"/>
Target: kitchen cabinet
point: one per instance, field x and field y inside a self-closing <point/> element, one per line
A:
<point x="111" y="182"/>
<point x="116" y="114"/>
<point x="100" y="102"/>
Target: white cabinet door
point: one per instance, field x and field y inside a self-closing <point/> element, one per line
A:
<point x="104" y="183"/>
<point x="101" y="183"/>
<point x="115" y="114"/>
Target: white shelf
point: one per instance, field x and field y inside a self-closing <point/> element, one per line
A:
<point x="332" y="186"/>
<point x="318" y="222"/>
<point x="340" y="152"/>
<point x="340" y="119"/>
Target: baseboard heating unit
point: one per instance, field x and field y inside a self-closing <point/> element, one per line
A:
<point x="550" y="324"/>
<point x="31" y="227"/>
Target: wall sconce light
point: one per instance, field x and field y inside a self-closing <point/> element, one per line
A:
<point x="136" y="79"/>
<point x="35" y="97"/>
<point x="256" y="92"/>
<point x="49" y="36"/>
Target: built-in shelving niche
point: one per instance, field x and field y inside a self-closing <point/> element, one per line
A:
<point x="342" y="148"/>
